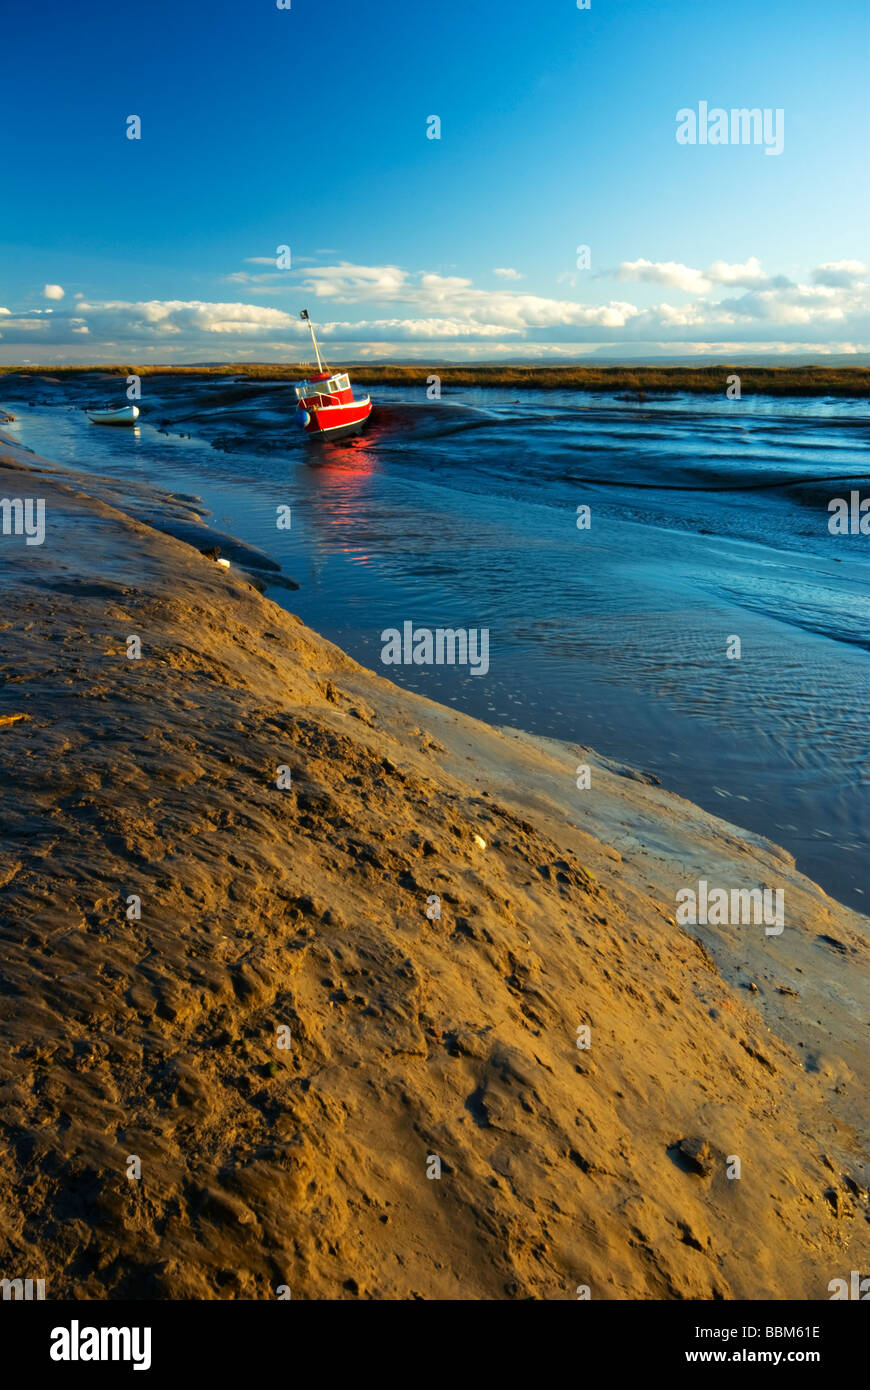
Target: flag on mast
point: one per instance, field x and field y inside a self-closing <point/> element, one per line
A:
<point x="320" y="363"/>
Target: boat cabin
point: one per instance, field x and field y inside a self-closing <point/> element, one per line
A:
<point x="336" y="385"/>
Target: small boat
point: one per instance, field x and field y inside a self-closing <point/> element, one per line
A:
<point x="325" y="403"/>
<point x="122" y="415"/>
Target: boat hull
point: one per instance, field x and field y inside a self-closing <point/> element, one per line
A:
<point x="126" y="415"/>
<point x="331" y="420"/>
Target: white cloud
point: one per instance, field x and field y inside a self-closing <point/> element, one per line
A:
<point x="27" y="325"/>
<point x="53" y="292"/>
<point x="355" y="284"/>
<point x="368" y="308"/>
<point x="432" y="329"/>
<point x="250" y="280"/>
<point x="749" y="273"/>
<point x="173" y="316"/>
<point x="507" y="273"/>
<point x="839" y="274"/>
<point x="803" y="304"/>
<point x="682" y="316"/>
<point x="684" y="277"/>
<point x="454" y="297"/>
<point x="671" y="273"/>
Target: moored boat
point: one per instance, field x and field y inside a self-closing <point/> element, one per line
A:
<point x="122" y="415"/>
<point x="325" y="401"/>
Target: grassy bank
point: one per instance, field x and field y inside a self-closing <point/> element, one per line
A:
<point x="768" y="381"/>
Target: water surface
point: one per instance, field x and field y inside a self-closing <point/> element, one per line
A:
<point x="709" y="520"/>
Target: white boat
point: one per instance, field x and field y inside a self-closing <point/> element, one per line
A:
<point x="123" y="415"/>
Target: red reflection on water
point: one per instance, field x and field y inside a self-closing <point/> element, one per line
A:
<point x="356" y="454"/>
<point x="340" y="471"/>
<point x="343" y="468"/>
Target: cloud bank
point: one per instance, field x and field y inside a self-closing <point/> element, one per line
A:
<point x="375" y="309"/>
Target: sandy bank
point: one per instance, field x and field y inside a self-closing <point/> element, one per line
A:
<point x="304" y="907"/>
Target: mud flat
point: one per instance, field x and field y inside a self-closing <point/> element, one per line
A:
<point x="170" y="915"/>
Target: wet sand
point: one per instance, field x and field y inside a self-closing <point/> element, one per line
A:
<point x="304" y="908"/>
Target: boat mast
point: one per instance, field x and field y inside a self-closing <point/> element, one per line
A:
<point x="320" y="364"/>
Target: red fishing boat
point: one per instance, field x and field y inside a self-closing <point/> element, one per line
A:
<point x="325" y="400"/>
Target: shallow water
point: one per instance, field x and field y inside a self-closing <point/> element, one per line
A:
<point x="708" y="520"/>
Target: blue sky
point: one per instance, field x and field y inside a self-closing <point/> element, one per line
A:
<point x="307" y="127"/>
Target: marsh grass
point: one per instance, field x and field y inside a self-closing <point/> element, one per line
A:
<point x="710" y="380"/>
